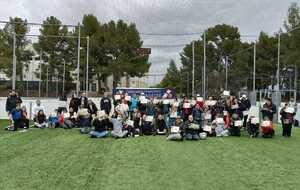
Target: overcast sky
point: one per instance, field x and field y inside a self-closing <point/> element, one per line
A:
<point x="159" y="16"/>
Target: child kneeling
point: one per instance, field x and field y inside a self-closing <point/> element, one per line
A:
<point x="253" y="127"/>
<point x="267" y="129"/>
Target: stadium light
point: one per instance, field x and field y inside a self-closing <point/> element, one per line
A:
<point x="87" y="64"/>
<point x="78" y="62"/>
<point x="14" y="61"/>
<point x="204" y="64"/>
<point x="193" y="72"/>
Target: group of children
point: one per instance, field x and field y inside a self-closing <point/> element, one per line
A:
<point x="132" y="116"/>
<point x="187" y="119"/>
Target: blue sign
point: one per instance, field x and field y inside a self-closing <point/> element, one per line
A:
<point x="149" y="92"/>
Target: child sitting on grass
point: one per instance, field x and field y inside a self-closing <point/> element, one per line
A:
<point x="40" y="121"/>
<point x="148" y="126"/>
<point x="16" y="117"/>
<point x="176" y="131"/>
<point x="253" y="127"/>
<point x="53" y="120"/>
<point x="220" y="126"/>
<point x="192" y="130"/>
<point x="84" y="121"/>
<point x="236" y="124"/>
<point x="101" y="125"/>
<point x="25" y="118"/>
<point x="161" y="126"/>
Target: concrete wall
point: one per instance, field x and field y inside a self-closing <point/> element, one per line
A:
<point x="52" y="104"/>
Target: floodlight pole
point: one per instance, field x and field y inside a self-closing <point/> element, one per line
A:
<point x="254" y="66"/>
<point x="78" y="62"/>
<point x="226" y="73"/>
<point x="204" y="64"/>
<point x="64" y="77"/>
<point x="40" y="74"/>
<point x="193" y="72"/>
<point x="278" y="62"/>
<point x="87" y="64"/>
<point x="47" y="86"/>
<point x="295" y="83"/>
<point x="14" y="61"/>
<point x="188" y="84"/>
<point x="57" y="78"/>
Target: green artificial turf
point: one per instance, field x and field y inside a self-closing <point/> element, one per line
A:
<point x="64" y="159"/>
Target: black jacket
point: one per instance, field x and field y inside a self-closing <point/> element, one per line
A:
<point x="74" y="104"/>
<point x="11" y="102"/>
<point x="41" y="118"/>
<point x="287" y="116"/>
<point x="102" y="125"/>
<point x="161" y="124"/>
<point x="105" y="104"/>
<point x="83" y="101"/>
<point x="268" y="111"/>
<point x="245" y="104"/>
<point x="92" y="109"/>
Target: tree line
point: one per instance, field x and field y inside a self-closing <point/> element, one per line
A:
<point x="224" y="42"/>
<point x="112" y="49"/>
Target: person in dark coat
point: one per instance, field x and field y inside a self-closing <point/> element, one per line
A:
<point x="83" y="100"/>
<point x="233" y="106"/>
<point x="16" y="115"/>
<point x="74" y="103"/>
<point x="11" y="101"/>
<point x="101" y="125"/>
<point x="191" y="129"/>
<point x="92" y="108"/>
<point x="105" y="104"/>
<point x="287" y="117"/>
<point x="245" y="106"/>
<point x="197" y="114"/>
<point x="268" y="110"/>
<point x="161" y="125"/>
<point x="40" y="120"/>
<point x="186" y="109"/>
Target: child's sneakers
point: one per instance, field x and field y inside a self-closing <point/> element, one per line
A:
<point x="10" y="128"/>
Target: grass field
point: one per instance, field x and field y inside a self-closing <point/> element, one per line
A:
<point x="64" y="159"/>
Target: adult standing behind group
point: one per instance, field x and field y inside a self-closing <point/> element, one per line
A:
<point x="105" y="104"/>
<point x="245" y="105"/>
<point x="76" y="102"/>
<point x="83" y="100"/>
<point x="11" y="101"/>
<point x="268" y="110"/>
